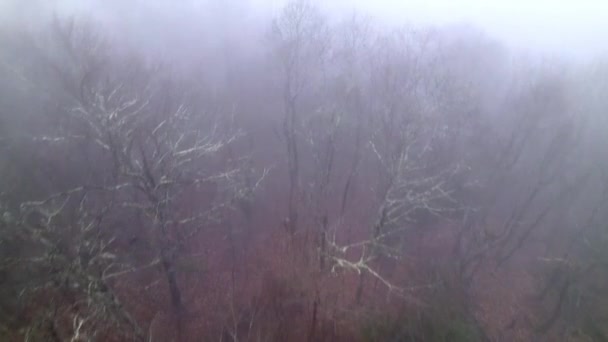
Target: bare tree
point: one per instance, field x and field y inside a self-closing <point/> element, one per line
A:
<point x="540" y="140"/>
<point x="573" y="291"/>
<point x="405" y="135"/>
<point x="73" y="263"/>
<point x="157" y="157"/>
<point x="300" y="38"/>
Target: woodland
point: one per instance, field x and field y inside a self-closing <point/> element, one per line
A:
<point x="298" y="179"/>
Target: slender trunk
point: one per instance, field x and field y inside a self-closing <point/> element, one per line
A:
<point x="356" y="159"/>
<point x="289" y="130"/>
<point x="323" y="243"/>
<point x="359" y="293"/>
<point x="547" y="324"/>
<point x="174" y="291"/>
<point x="313" y="324"/>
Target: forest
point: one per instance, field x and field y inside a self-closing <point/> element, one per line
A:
<point x="212" y="174"/>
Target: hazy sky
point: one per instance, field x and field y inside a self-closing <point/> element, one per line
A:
<point x="561" y="25"/>
<point x="575" y="28"/>
<point x="578" y="28"/>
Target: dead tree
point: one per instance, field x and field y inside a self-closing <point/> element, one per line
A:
<point x="535" y="107"/>
<point x="299" y="35"/>
<point x="407" y="130"/>
<point x="73" y="264"/>
<point x="154" y="153"/>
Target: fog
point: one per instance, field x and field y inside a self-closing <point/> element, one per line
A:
<point x="573" y="28"/>
<point x="259" y="170"/>
<point x="569" y="29"/>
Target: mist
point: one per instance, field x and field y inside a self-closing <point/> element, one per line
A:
<point x="294" y="170"/>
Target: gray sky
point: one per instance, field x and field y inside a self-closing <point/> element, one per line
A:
<point x="564" y="26"/>
<point x="574" y="28"/>
<point x="569" y="28"/>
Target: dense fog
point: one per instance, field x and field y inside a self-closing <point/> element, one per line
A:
<point x="302" y="171"/>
